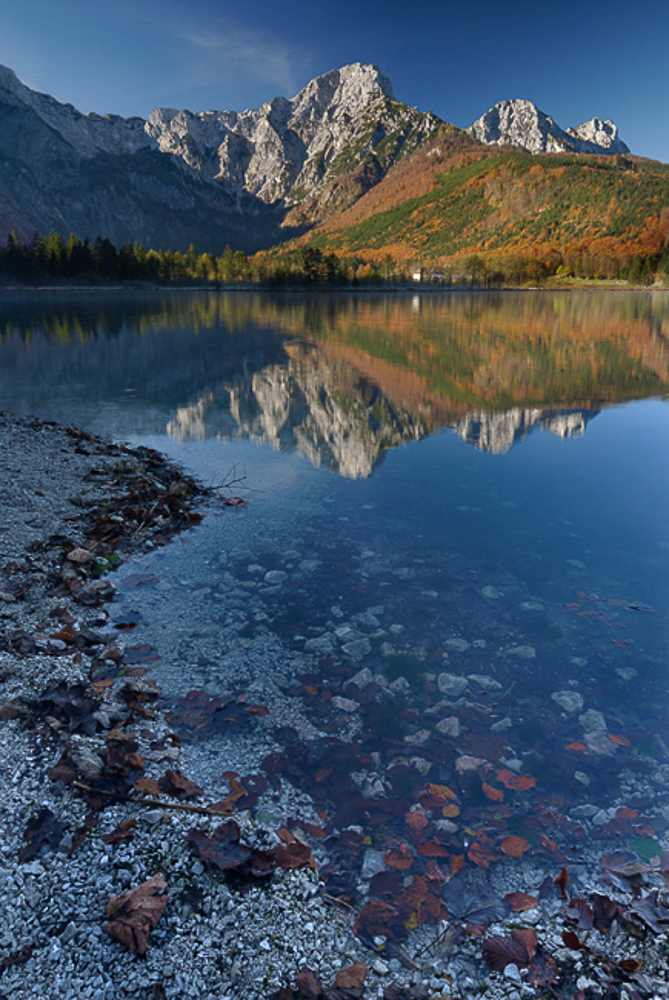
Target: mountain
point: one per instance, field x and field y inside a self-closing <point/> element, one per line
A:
<point x="210" y="178"/>
<point x="249" y="179"/>
<point x="521" y="123"/>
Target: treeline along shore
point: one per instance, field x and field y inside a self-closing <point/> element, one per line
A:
<point x="57" y="261"/>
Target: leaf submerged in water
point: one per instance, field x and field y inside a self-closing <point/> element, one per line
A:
<point x="472" y="903"/>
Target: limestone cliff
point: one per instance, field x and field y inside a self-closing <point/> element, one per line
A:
<point x="521" y="123"/>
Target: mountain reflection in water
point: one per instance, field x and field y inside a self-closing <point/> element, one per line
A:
<point x="341" y="379"/>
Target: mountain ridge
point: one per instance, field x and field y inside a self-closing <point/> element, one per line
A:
<point x="213" y="178"/>
<point x="240" y="168"/>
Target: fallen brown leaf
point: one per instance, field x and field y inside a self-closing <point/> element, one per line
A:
<point x="308" y="984"/>
<point x="351" y="978"/>
<point x="133" y="915"/>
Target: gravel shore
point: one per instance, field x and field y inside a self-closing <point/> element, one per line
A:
<point x="78" y="727"/>
<point x="63" y="689"/>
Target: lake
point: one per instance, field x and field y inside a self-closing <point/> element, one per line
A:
<point x="445" y="598"/>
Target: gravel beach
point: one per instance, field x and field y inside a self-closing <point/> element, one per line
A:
<point x="233" y="908"/>
<point x="214" y="940"/>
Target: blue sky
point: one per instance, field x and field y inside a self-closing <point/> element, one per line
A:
<point x="573" y="58"/>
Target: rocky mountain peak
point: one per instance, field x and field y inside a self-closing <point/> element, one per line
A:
<point x="520" y="123"/>
<point x="9" y="81"/>
<point x="345" y="91"/>
<point x="288" y="149"/>
<point x="603" y="134"/>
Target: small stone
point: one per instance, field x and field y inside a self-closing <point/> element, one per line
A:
<point x="422" y="736"/>
<point x="485" y="682"/>
<point x="372" y="863"/>
<point x="153" y="816"/>
<point x="531" y="606"/>
<point x="449" y="726"/>
<point x="593" y="721"/>
<point x="524" y="652"/>
<point x="586" y="811"/>
<point x="33" y="868"/>
<point x="512" y="972"/>
<point x="492" y="593"/>
<point x="111" y="652"/>
<point x="87" y="761"/>
<point x="309" y="565"/>
<point x="499" y="727"/>
<point x="358" y="648"/>
<point x="451" y="684"/>
<point x="400" y="685"/>
<point x="447" y="825"/>
<point x="347" y="634"/>
<point x="380" y="968"/>
<point x="275" y="577"/>
<point x="570" y="701"/>
<point x="467" y="763"/>
<point x="461" y="645"/>
<point x="366" y="619"/>
<point x="321" y="644"/>
<point x="599" y="743"/>
<point x="396" y="629"/>
<point x="69" y="932"/>
<point x="79" y="556"/>
<point x="576" y="563"/>
<point x="362" y="678"/>
<point x="345" y="704"/>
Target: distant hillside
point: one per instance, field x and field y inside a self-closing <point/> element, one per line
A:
<point x="455" y="206"/>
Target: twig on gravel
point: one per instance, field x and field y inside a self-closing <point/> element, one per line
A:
<point x="155" y="803"/>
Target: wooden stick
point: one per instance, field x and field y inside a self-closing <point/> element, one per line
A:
<point x="156" y="803"/>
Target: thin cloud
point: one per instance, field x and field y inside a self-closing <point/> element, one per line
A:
<point x="224" y="52"/>
<point x="235" y="52"/>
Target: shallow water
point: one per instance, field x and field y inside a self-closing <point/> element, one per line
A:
<point x="465" y="495"/>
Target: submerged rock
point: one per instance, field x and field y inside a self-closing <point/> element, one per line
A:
<point x="451" y="684"/>
<point x="570" y="701"/>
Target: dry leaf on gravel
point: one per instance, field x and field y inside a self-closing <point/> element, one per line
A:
<point x="308" y="984"/>
<point x="42" y="830"/>
<point x="353" y="977"/>
<point x="133" y="915"/>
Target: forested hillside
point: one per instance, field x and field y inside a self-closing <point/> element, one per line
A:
<point x="492" y="216"/>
